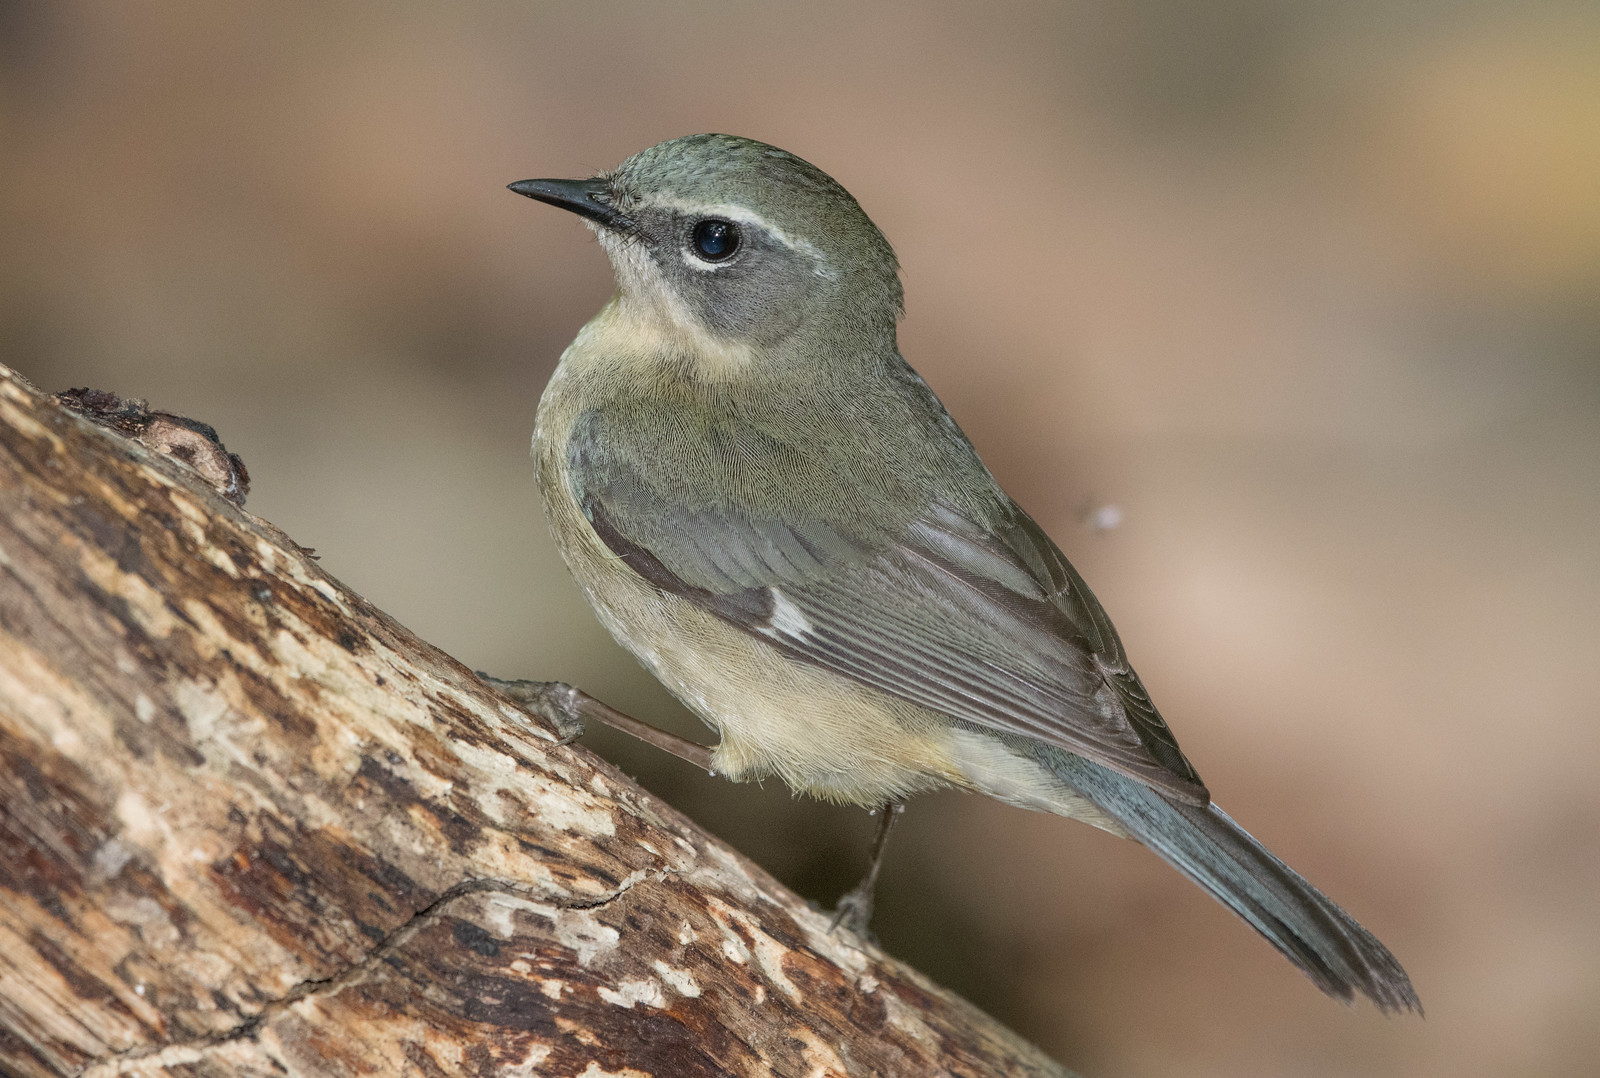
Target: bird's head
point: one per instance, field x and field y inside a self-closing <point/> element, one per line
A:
<point x="737" y="245"/>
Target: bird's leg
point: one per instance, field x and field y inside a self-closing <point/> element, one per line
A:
<point x="569" y="709"/>
<point x="855" y="908"/>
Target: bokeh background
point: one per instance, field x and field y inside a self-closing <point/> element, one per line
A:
<point x="1308" y="295"/>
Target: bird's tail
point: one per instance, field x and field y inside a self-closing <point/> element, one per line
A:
<point x="1205" y="844"/>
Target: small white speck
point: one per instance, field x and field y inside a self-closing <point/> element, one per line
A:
<point x="1103" y="518"/>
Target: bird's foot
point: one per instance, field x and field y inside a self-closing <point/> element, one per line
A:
<point x="567" y="710"/>
<point x="854" y="912"/>
<point x="556" y="702"/>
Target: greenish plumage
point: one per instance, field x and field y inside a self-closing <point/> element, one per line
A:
<point x="771" y="509"/>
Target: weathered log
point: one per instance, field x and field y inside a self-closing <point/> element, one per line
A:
<point x="250" y="825"/>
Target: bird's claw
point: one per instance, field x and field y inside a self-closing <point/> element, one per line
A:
<point x="553" y="701"/>
<point x="854" y="912"/>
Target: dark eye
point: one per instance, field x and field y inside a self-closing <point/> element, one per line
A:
<point x="715" y="239"/>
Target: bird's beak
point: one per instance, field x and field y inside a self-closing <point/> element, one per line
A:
<point x="586" y="198"/>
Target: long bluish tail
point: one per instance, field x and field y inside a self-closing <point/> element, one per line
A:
<point x="1204" y="843"/>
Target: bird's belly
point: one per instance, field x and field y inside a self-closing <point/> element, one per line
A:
<point x="824" y="735"/>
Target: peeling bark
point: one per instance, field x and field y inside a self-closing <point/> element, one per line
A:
<point x="249" y="825"/>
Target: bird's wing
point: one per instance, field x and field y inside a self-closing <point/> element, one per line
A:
<point x="987" y="624"/>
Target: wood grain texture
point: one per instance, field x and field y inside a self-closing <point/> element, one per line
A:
<point x="249" y="825"/>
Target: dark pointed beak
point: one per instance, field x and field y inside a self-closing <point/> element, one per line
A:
<point x="586" y="198"/>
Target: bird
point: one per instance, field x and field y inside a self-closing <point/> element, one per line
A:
<point x="773" y="512"/>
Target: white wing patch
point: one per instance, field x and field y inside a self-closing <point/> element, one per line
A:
<point x="786" y="618"/>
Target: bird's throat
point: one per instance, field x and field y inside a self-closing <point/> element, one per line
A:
<point x="650" y="336"/>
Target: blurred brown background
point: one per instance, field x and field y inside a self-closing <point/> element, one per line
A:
<point x="1310" y="293"/>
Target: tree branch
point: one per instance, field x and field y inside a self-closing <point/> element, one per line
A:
<point x="250" y="825"/>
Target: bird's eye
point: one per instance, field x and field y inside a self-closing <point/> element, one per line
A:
<point x="715" y="240"/>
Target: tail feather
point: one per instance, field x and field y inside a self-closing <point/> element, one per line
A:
<point x="1204" y="843"/>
